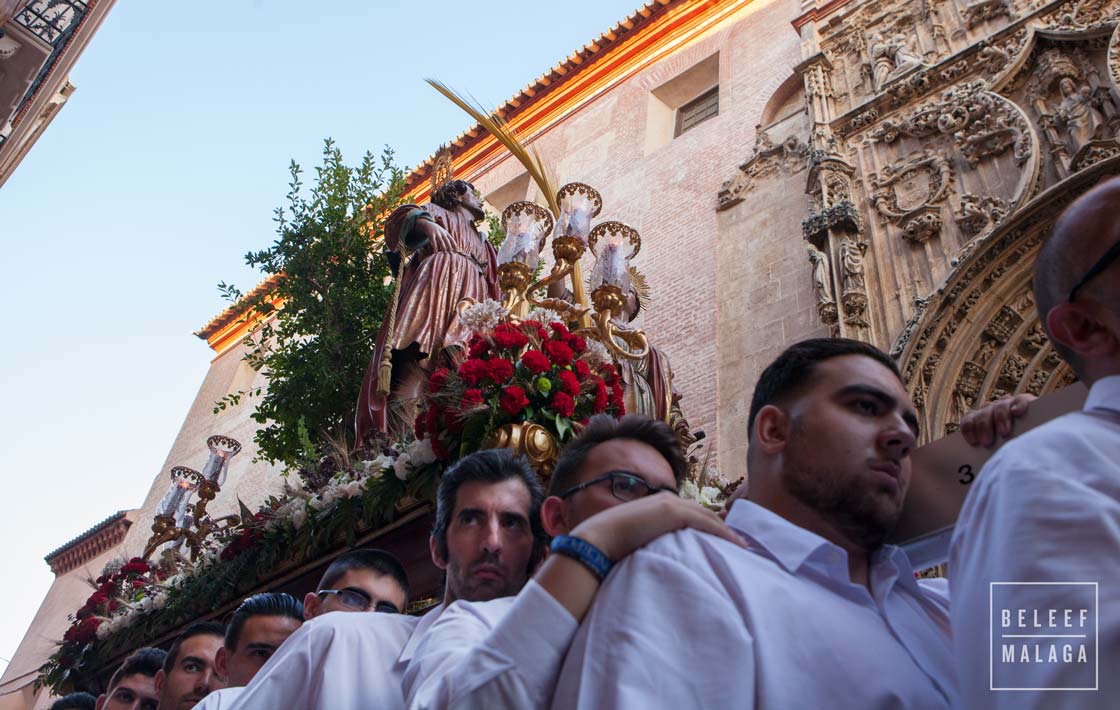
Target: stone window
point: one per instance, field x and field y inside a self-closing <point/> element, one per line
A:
<point x="682" y="103"/>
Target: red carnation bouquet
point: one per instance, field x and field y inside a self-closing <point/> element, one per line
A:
<point x="518" y="372"/>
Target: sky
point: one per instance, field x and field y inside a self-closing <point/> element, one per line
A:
<point x="153" y="181"/>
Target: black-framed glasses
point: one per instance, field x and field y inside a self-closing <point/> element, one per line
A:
<point x="625" y="486"/>
<point x="358" y="600"/>
<point x="1102" y="263"/>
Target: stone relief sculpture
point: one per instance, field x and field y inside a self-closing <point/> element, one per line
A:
<point x="907" y="193"/>
<point x="851" y="263"/>
<point x="822" y="287"/>
<point x="890" y="59"/>
<point x="1081" y="119"/>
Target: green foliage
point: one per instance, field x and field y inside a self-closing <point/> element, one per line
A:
<point x="330" y="283"/>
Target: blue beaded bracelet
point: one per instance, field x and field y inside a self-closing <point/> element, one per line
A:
<point x="581" y="550"/>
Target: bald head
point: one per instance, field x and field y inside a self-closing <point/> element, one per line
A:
<point x="1082" y="235"/>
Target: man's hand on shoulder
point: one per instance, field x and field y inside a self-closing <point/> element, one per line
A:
<point x="620" y="530"/>
<point x="994" y="421"/>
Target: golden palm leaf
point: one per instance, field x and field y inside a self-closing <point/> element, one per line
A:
<point x="542" y="174"/>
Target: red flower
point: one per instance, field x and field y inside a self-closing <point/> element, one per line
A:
<point x="563" y="404"/>
<point x="616" y="398"/>
<point x="582" y="369"/>
<point x="452" y="422"/>
<point x="577" y="343"/>
<point x="432" y="422"/>
<point x="418" y="425"/>
<point x="137" y="583"/>
<point x="439" y="449"/>
<point x="471" y="398"/>
<point x="501" y="369"/>
<point x="474" y="370"/>
<point x="569" y="383"/>
<point x="535" y="361"/>
<point x="438" y="378"/>
<point x="601" y="399"/>
<point x="513" y="400"/>
<point x="559" y="353"/>
<point x="82" y="631"/>
<point x="560" y="329"/>
<point x="509" y="337"/>
<point x="477" y="347"/>
<point x="609" y="373"/>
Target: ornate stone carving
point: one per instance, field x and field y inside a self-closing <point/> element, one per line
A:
<point x="1068" y="101"/>
<point x="891" y="58"/>
<point x="1094" y="153"/>
<point x="979" y="213"/>
<point x="907" y="192"/>
<point x="981" y="123"/>
<point x="851" y="265"/>
<point x="1084" y="14"/>
<point x="842" y="215"/>
<point x="822" y="288"/>
<point x="787" y="158"/>
<point x="984" y="10"/>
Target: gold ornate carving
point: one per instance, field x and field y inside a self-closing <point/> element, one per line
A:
<point x="441" y="168"/>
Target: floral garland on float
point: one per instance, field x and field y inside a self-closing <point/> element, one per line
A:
<point x="535" y="368"/>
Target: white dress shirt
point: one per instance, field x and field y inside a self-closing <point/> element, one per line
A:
<point x="504" y="653"/>
<point x="336" y="661"/>
<point x="694" y="621"/>
<point x="220" y="699"/>
<point x="1045" y="508"/>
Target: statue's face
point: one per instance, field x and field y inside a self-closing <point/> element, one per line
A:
<point x="471" y="201"/>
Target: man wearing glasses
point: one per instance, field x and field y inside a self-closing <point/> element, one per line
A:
<point x="365" y="580"/>
<point x="1045" y="509"/>
<point x="507" y="652"/>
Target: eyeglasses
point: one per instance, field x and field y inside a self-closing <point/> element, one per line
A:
<point x="625" y="486"/>
<point x="1102" y="264"/>
<point x="359" y="600"/>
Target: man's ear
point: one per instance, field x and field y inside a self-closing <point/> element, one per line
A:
<point x="554" y="516"/>
<point x="437" y="559"/>
<point x="311" y="604"/>
<point x="100" y="702"/>
<point x="221" y="662"/>
<point x="160" y="678"/>
<point x="1076" y="326"/>
<point x="771" y="429"/>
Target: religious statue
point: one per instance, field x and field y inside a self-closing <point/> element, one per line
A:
<point x="439" y="259"/>
<point x="822" y="276"/>
<point x="1081" y="118"/>
<point x="891" y="58"/>
<point x="851" y="261"/>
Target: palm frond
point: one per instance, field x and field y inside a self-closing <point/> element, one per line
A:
<point x="542" y="174"/>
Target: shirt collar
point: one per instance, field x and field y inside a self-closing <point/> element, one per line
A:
<point x="1104" y="394"/>
<point x="792" y="546"/>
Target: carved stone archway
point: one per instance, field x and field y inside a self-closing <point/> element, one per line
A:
<point x="978" y="337"/>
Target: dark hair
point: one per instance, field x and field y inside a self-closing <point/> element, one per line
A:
<point x="265" y="604"/>
<point x="603" y="428"/>
<point x="488" y="466"/>
<point x="75" y="701"/>
<point x="203" y="628"/>
<point x="447" y="194"/>
<point x="794" y="368"/>
<point x="142" y="661"/>
<point x="379" y="561"/>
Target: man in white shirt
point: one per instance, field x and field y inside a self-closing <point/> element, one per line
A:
<point x="507" y="652"/>
<point x="817" y="612"/>
<point x="487" y="538"/>
<point x="1039" y="534"/>
<point x="358" y="580"/>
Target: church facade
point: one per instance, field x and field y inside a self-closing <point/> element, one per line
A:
<point x="883" y="170"/>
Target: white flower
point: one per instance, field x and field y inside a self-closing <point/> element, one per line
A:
<point x="711" y="496"/>
<point x="483" y="316"/>
<point x="597" y="353"/>
<point x="421" y="452"/>
<point x="102" y="632"/>
<point x="402" y="465"/>
<point x="299" y="517"/>
<point x="381" y="463"/>
<point x="690" y="491"/>
<point x="160" y="599"/>
<point x="544" y="316"/>
<point x="353" y="489"/>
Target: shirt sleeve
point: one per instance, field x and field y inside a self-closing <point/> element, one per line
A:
<point x="627" y="654"/>
<point x="1033" y="518"/>
<point x="470" y="662"/>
